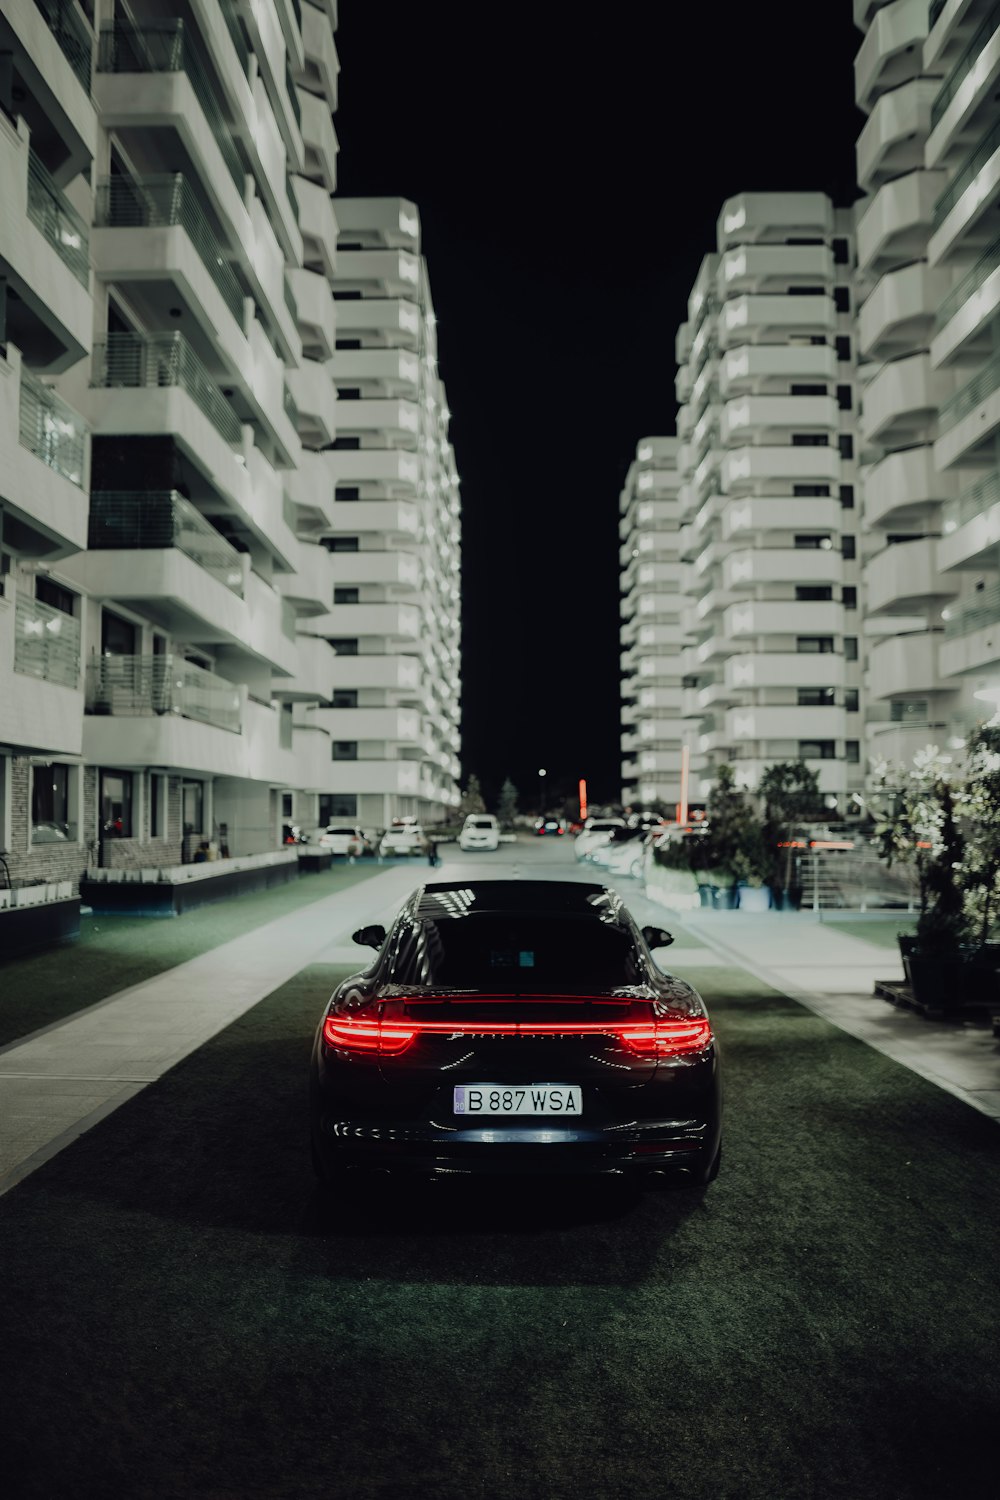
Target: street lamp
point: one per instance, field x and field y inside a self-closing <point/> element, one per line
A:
<point x="542" y="773"/>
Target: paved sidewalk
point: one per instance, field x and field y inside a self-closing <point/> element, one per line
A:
<point x="833" y="973"/>
<point x="60" y="1081"/>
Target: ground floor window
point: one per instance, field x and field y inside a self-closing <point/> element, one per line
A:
<point x="51" y="790"/>
<point x="115" y="803"/>
<point x="157" y="806"/>
<point x="193" y="799"/>
<point x="337" y="805"/>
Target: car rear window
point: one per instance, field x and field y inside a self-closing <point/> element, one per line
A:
<point x="480" y="823"/>
<point x="349" y="832"/>
<point x="502" y="951"/>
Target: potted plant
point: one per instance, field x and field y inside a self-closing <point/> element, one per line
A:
<point x="790" y="794"/>
<point x="979" y="802"/>
<point x="916" y="813"/>
<point x="751" y="867"/>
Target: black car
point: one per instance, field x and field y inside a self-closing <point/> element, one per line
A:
<point x="515" y="1027"/>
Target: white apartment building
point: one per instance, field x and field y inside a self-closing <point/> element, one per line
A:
<point x="168" y="401"/>
<point x="395" y="532"/>
<point x="929" y="159"/>
<point x="766" y="385"/>
<point x="649" y="527"/>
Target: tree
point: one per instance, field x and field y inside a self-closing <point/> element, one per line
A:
<point x="472" y="798"/>
<point x="979" y="810"/>
<point x="727" y="844"/>
<point x="790" y="792"/>
<point x="916" y="823"/>
<point x="507" y="804"/>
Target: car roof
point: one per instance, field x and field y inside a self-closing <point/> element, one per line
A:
<point x="455" y="898"/>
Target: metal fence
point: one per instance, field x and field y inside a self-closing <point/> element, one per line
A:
<point x="163" y="359"/>
<point x="133" y="686"/>
<point x="51" y="430"/>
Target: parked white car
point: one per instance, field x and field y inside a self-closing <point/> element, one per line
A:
<point x="597" y="831"/>
<point x="402" y="839"/>
<point x="480" y="831"/>
<point x="342" y="838"/>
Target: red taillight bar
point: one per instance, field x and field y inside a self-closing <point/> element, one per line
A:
<point x="669" y="1038"/>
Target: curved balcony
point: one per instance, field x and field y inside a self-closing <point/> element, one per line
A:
<point x="958" y="117"/>
<point x="968" y="423"/>
<point x="773" y="418"/>
<point x="899" y="489"/>
<point x="971" y="527"/>
<point x="320" y="141"/>
<point x="751" y="319"/>
<point x="904" y="579"/>
<point x="904" y="665"/>
<point x="317" y="225"/>
<point x="972" y="633"/>
<point x="773" y="268"/>
<point x="899" y="314"/>
<point x="760" y="565"/>
<point x="965" y="316"/>
<point x="384" y="470"/>
<point x="962" y="220"/>
<point x="315" y="311"/>
<point x="895" y="226"/>
<point x="750" y="369"/>
<point x="744" y="469"/>
<point x="899" y="407"/>
<point x="891" y="52"/>
<point x="766" y="669"/>
<point x="892" y="140"/>
<point x="755" y="515"/>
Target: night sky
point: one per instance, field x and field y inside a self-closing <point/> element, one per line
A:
<point x="569" y="176"/>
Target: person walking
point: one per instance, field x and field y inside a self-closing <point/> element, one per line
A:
<point x="432" y="854"/>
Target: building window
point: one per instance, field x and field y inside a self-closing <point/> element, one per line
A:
<point x="348" y="393"/>
<point x="348" y="344"/>
<point x="345" y="698"/>
<point x="849" y="598"/>
<point x="51" y="819"/>
<point x="345" y="444"/>
<point x="810" y="489"/>
<point x="817" y="750"/>
<point x="841" y="251"/>
<point x="810" y="593"/>
<point x="844" y="398"/>
<point x="193" y="806"/>
<point x="815" y="697"/>
<point x="345" y="596"/>
<point x="847" y="497"/>
<point x="842" y="299"/>
<point x="334" y="805"/>
<point x="850" y="648"/>
<point x="115" y="804"/>
<point x="814" y="645"/>
<point x="808" y="390"/>
<point x="851" y="703"/>
<point x="157" y="806"/>
<point x="344" y="750"/>
<point x="852" y="751"/>
<point x="342" y="544"/>
<point x="848" y="547"/>
<point x="842" y="344"/>
<point x="118" y="636"/>
<point x="51" y="593"/>
<point x="846" y="445"/>
<point x="810" y="440"/>
<point x="909" y="711"/>
<point x="814" y="541"/>
<point x="347" y="492"/>
<point x="345" y="645"/>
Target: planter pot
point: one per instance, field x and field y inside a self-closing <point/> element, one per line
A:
<point x="786" y="899"/>
<point x="706" y="894"/>
<point x="938" y="980"/>
<point x="754" y="898"/>
<point x="727" y="898"/>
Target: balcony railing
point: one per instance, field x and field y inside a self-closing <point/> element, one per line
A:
<point x="46" y="642"/>
<point x="293" y="97"/>
<point x="969" y="397"/>
<point x="975" y="501"/>
<point x="51" y="430"/>
<point x="168" y="200"/>
<point x="132" y="360"/>
<point x="984" y="267"/>
<point x="937" y="6"/>
<point x="975" y="613"/>
<point x="291" y="409"/>
<point x="134" y="686"/>
<point x="290" y="302"/>
<point x="66" y="24"/>
<point x="967" y="173"/>
<point x="61" y="225"/>
<point x="970" y="56"/>
<point x="231" y="15"/>
<point x="166" y="47"/>
<point x="151" y="520"/>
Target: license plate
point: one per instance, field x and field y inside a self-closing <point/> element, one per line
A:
<point x="518" y="1099"/>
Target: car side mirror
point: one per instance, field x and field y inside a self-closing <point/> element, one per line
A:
<point x="656" y="937"/>
<point x="369" y="937"/>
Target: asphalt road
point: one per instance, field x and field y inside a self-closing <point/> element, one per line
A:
<point x="185" y="1318"/>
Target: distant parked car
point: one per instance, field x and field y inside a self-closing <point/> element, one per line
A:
<point x="596" y="831"/>
<point x="343" y="838"/>
<point x="549" y="827"/>
<point x="480" y="831"/>
<point x="403" y="839"/>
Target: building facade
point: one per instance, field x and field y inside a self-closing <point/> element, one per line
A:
<point x="649" y="527"/>
<point x="769" y="541"/>
<point x="169" y="558"/>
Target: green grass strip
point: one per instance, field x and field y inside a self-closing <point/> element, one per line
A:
<point x="115" y="952"/>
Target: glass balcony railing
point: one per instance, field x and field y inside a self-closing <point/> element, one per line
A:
<point x="132" y="360"/>
<point x="51" y="430"/>
<point x="167" y="47"/>
<point x="66" y="24"/>
<point x="237" y="31"/>
<point x="292" y="198"/>
<point x="291" y="409"/>
<point x="970" y="55"/>
<point x="62" y="226"/>
<point x="966" y="174"/>
<point x="975" y="613"/>
<point x="969" y="397"/>
<point x="937" y="6"/>
<point x="976" y="500"/>
<point x="984" y="267"/>
<point x="170" y="201"/>
<point x="134" y="686"/>
<point x="290" y="302"/>
<point x="293" y="97"/>
<point x="46" y="642"/>
<point x="149" y="520"/>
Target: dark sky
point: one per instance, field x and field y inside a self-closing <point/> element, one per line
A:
<point x="569" y="173"/>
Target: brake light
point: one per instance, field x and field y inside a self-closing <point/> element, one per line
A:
<point x="357" y="1034"/>
<point x="676" y="1037"/>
